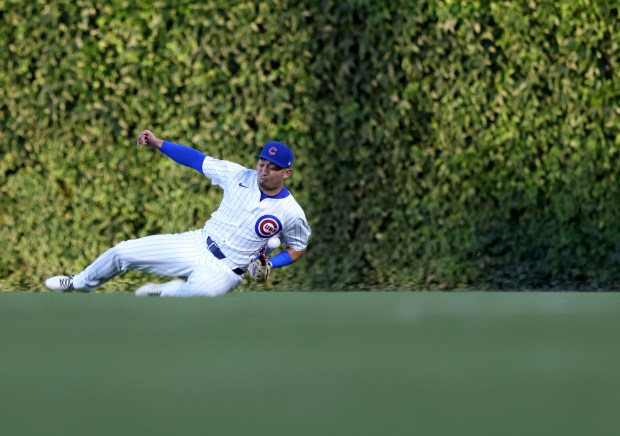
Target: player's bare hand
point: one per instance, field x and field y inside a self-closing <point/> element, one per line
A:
<point x="148" y="139"/>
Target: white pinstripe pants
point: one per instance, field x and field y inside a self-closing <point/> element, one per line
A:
<point x="182" y="254"/>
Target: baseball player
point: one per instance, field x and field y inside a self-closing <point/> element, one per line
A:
<point x="255" y="207"/>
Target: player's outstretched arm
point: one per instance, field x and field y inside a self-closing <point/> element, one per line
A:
<point x="179" y="153"/>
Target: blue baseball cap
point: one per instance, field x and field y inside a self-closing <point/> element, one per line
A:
<point x="277" y="153"/>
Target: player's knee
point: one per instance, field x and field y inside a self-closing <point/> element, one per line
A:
<point x="119" y="255"/>
<point x="208" y="288"/>
<point x="192" y="291"/>
<point x="206" y="291"/>
<point x="215" y="292"/>
<point x="115" y="251"/>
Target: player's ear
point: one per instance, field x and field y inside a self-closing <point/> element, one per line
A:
<point x="287" y="173"/>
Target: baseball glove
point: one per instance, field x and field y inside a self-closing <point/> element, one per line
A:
<point x="259" y="269"/>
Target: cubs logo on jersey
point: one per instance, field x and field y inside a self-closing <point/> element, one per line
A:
<point x="267" y="226"/>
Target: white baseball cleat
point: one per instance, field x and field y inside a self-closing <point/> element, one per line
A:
<point x="60" y="284"/>
<point x="155" y="289"/>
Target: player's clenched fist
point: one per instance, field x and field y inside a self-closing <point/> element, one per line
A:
<point x="148" y="139"/>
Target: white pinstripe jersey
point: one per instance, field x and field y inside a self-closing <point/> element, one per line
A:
<point x="243" y="223"/>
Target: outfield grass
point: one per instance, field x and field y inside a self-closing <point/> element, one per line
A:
<point x="311" y="364"/>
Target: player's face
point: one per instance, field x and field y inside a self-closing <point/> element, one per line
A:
<point x="271" y="177"/>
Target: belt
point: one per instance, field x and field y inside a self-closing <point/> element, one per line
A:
<point x="215" y="250"/>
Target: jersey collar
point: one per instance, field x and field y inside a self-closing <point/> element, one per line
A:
<point x="282" y="194"/>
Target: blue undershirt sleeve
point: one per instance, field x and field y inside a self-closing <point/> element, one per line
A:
<point x="184" y="155"/>
<point x="281" y="259"/>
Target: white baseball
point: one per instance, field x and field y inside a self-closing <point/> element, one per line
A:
<point x="273" y="242"/>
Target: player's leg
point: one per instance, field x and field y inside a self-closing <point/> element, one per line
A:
<point x="168" y="255"/>
<point x="206" y="281"/>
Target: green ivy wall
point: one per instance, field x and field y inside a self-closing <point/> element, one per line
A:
<point x="440" y="144"/>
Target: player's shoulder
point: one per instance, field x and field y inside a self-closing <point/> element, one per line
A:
<point x="222" y="163"/>
<point x="295" y="215"/>
<point x="222" y="167"/>
<point x="293" y="205"/>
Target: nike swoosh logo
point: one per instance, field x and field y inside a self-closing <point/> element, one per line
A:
<point x="243" y="186"/>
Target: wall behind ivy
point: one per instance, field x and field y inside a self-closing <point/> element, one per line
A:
<point x="440" y="145"/>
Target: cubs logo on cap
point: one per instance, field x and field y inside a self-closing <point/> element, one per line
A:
<point x="277" y="153"/>
<point x="267" y="226"/>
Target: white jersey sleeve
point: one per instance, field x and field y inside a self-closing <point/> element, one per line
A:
<point x="297" y="231"/>
<point x="220" y="171"/>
